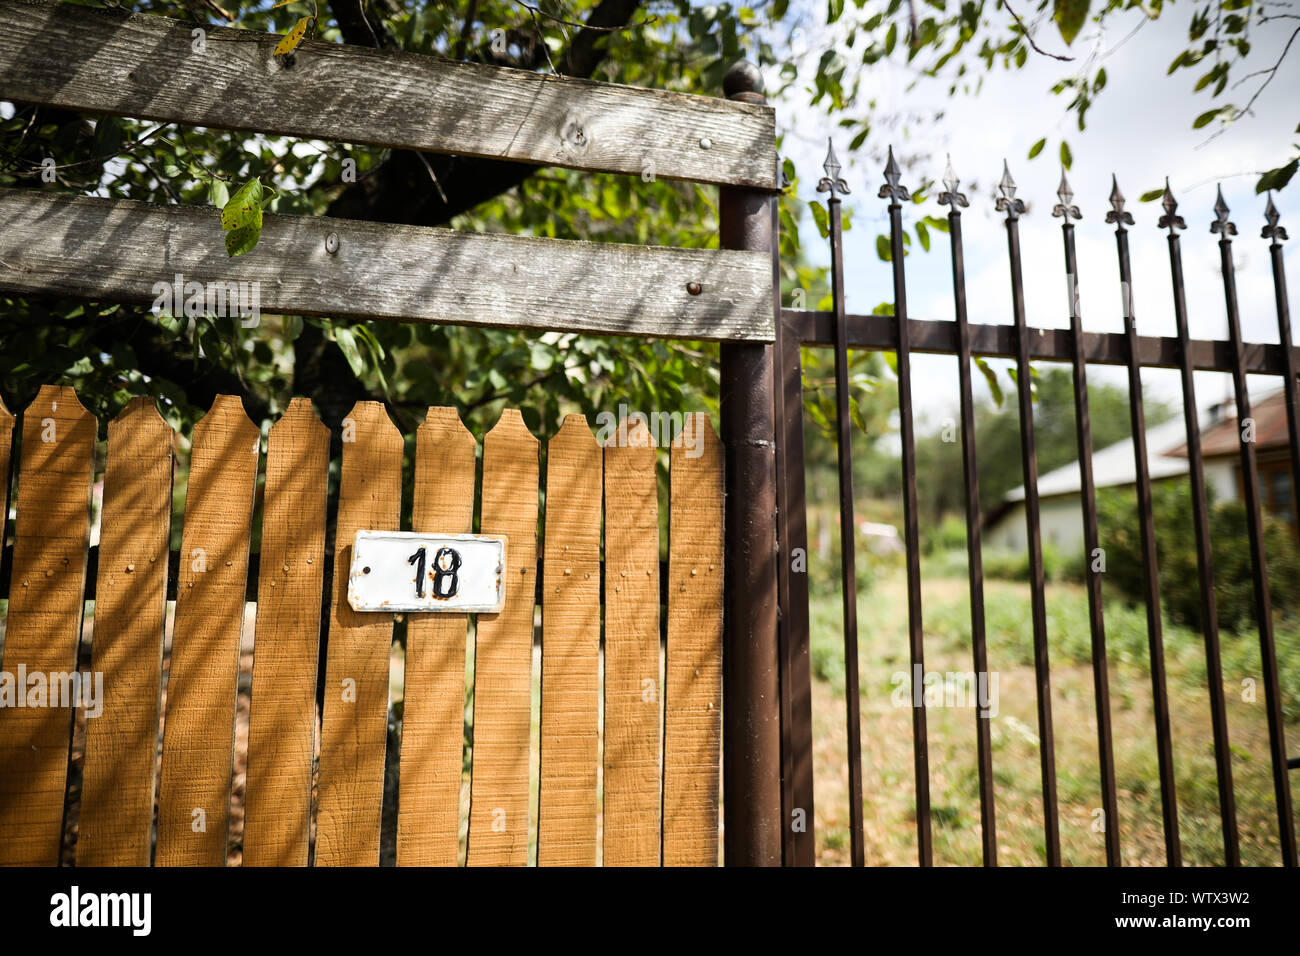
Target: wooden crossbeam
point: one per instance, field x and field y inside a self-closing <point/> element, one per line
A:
<point x="119" y="250"/>
<point x="151" y="67"/>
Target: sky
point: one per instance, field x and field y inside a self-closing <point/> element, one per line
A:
<point x="1139" y="128"/>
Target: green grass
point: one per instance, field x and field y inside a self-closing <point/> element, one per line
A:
<point x="889" y="788"/>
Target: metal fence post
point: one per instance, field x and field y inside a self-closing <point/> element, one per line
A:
<point x="751" y="714"/>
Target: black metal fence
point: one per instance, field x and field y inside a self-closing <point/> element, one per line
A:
<point x="904" y="335"/>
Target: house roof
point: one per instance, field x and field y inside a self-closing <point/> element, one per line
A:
<point x="1114" y="465"/>
<point x="1222" y="439"/>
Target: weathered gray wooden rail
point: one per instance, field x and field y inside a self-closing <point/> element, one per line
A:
<point x="144" y="66"/>
<point x="116" y="250"/>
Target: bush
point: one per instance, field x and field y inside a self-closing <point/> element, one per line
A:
<point x="1014" y="565"/>
<point x="950" y="535"/>
<point x="1176" y="555"/>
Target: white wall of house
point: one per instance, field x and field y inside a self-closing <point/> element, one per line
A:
<point x="1061" y="516"/>
<point x="1060" y="520"/>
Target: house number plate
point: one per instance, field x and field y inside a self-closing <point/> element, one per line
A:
<point x="405" y="571"/>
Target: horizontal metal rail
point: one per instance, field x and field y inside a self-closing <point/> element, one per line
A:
<point x="1054" y="345"/>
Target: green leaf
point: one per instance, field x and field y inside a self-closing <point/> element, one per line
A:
<point x="1066" y="156"/>
<point x="245" y="207"/>
<point x="218" y="194"/>
<point x="882" y="248"/>
<point x="923" y="233"/>
<point x="821" y="218"/>
<point x="1151" y="195"/>
<point x="243" y="239"/>
<point x="834" y="10"/>
<point x="1037" y="147"/>
<point x="1205" y="118"/>
<point x="1070" y="15"/>
<point x="347" y="343"/>
<point x="1277" y="178"/>
<point x="991" y="378"/>
<point x="241" y="218"/>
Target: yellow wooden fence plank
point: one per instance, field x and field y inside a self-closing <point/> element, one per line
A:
<point x="198" y="733"/>
<point x="130" y="612"/>
<point x="282" y="723"/>
<point x="566" y="821"/>
<point x="632" y="692"/>
<point x="433" y="715"/>
<point x="354" y="725"/>
<point x="503" y="656"/>
<point x="44" y="627"/>
<point x="692" y="712"/>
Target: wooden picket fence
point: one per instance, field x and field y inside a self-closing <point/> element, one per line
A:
<point x="660" y="784"/>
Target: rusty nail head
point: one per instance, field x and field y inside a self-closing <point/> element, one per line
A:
<point x="694" y="288"/>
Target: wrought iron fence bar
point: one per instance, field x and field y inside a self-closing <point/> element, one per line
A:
<point x="911" y="535"/>
<point x="1254" y="522"/>
<point x="799" y="846"/>
<point x="792" y="521"/>
<point x="1013" y="208"/>
<point x="1204" y="552"/>
<point x="1277" y="233"/>
<point x="848" y="524"/>
<point x="974" y="551"/>
<point x="939" y="337"/>
<point x="1147" y="537"/>
<point x="1091" y="544"/>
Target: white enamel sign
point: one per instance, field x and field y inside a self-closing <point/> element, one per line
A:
<point x="406" y="571"/>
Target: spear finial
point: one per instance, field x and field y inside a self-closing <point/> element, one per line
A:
<point x="1273" y="230"/>
<point x="1008" y="202"/>
<point x="1117" y="214"/>
<point x="892" y="189"/>
<point x="831" y="182"/>
<point x="1221" y="225"/>
<point x="951" y="196"/>
<point x="1065" y="207"/>
<point x="1170" y="220"/>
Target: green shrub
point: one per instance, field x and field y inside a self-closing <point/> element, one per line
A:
<point x="1014" y="565"/>
<point x="949" y="535"/>
<point x="1176" y="555"/>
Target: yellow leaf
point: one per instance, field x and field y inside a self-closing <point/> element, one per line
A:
<point x="293" y="37"/>
<point x="283" y="3"/>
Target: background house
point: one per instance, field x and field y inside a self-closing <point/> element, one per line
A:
<point x="1220" y="446"/>
<point x="1061" y="514"/>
